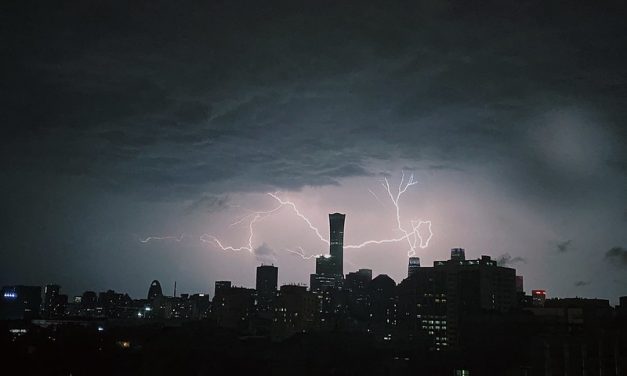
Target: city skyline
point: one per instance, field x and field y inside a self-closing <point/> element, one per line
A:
<point x="457" y="308"/>
<point x="123" y="122"/>
<point x="414" y="264"/>
<point x="504" y="260"/>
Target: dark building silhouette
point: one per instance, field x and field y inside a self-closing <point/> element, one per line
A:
<point x="200" y="304"/>
<point x="51" y="293"/>
<point x="359" y="280"/>
<point x="221" y="287"/>
<point x="295" y="310"/>
<point x="436" y="300"/>
<point x="357" y="284"/>
<point x="336" y="226"/>
<point x="115" y="305"/>
<point x="458" y="254"/>
<point x="325" y="276"/>
<point x="20" y="302"/>
<point x="423" y="307"/>
<point x="89" y="304"/>
<point x="54" y="303"/>
<point x="234" y="307"/>
<point x="330" y="269"/>
<point x="383" y="305"/>
<point x="520" y="286"/>
<point x="538" y="297"/>
<point x="326" y="265"/>
<point x="155" y="290"/>
<point x="266" y="286"/>
<point x="413" y="265"/>
<point x="622" y="306"/>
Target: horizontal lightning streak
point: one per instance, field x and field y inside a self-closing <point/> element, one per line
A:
<point x="151" y="238"/>
<point x="302" y="253"/>
<point x="414" y="238"/>
<point x="257" y="216"/>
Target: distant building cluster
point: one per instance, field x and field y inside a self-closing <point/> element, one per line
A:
<point x="449" y="306"/>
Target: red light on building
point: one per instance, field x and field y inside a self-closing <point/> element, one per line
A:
<point x="538" y="297"/>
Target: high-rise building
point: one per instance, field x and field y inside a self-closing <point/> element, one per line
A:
<point x="358" y="280"/>
<point x="329" y="268"/>
<point x="438" y="299"/>
<point x="538" y="297"/>
<point x="413" y="266"/>
<point x="221" y="287"/>
<point x="519" y="284"/>
<point x="336" y="225"/>
<point x="89" y="299"/>
<point x="383" y="305"/>
<point x="51" y="292"/>
<point x="320" y="282"/>
<point x="266" y="286"/>
<point x="296" y="310"/>
<point x="357" y="284"/>
<point x="458" y="254"/>
<point x="325" y="265"/>
<point x="155" y="290"/>
<point x="233" y="307"/>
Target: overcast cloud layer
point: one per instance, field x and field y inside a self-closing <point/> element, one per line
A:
<point x="126" y="120"/>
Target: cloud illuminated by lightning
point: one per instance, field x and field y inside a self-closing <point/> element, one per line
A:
<point x="413" y="237"/>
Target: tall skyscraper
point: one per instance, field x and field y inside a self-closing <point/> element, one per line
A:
<point x="413" y="266"/>
<point x="267" y="278"/>
<point x="336" y="224"/>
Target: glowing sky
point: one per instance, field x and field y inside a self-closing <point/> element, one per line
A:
<point x="125" y="121"/>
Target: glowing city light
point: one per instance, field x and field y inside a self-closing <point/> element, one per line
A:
<point x="10" y="295"/>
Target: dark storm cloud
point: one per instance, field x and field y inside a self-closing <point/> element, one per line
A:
<point x="208" y="203"/>
<point x="617" y="256"/>
<point x="564" y="246"/>
<point x="225" y="93"/>
<point x="507" y="260"/>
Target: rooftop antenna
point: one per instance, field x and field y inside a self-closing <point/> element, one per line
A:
<point x="175" y="289"/>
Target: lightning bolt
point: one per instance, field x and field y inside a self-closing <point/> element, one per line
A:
<point x="413" y="237"/>
<point x="169" y="237"/>
<point x="256" y="217"/>
<point x="301" y="252"/>
<point x="301" y="215"/>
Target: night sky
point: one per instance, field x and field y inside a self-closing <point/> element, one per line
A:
<point x="128" y="119"/>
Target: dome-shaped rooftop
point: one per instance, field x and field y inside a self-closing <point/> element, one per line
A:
<point x="154" y="290"/>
